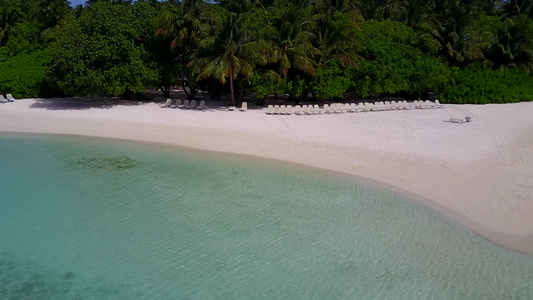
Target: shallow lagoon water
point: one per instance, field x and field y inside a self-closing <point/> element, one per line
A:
<point x="99" y="219"/>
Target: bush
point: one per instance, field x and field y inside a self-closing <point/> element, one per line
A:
<point x="480" y="85"/>
<point x="395" y="63"/>
<point x="104" y="52"/>
<point x="24" y="75"/>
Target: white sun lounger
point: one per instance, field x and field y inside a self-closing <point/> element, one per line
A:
<point x="192" y="104"/>
<point x="276" y="109"/>
<point x="297" y="110"/>
<point x="309" y="110"/>
<point x="10" y="98"/>
<point x="361" y="107"/>
<point x="282" y="109"/>
<point x="327" y="109"/>
<point x="270" y="109"/>
<point x="168" y="103"/>
<point x="347" y="107"/>
<point x="185" y="104"/>
<point x="202" y="105"/>
<point x="2" y="99"/>
<point x="177" y="104"/>
<point x="438" y="105"/>
<point x="244" y="106"/>
<point x="289" y="110"/>
<point x="430" y="104"/>
<point x="316" y="109"/>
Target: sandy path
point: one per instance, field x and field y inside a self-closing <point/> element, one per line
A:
<point x="480" y="173"/>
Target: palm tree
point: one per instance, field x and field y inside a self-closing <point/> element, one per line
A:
<point x="232" y="52"/>
<point x="293" y="41"/>
<point x="51" y="13"/>
<point x="184" y="24"/>
<point x="9" y="16"/>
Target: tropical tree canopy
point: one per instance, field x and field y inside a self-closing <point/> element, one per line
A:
<point x="312" y="50"/>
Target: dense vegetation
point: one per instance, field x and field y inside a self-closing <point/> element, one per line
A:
<point x="476" y="51"/>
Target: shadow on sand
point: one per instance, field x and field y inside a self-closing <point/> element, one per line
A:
<point x="83" y="103"/>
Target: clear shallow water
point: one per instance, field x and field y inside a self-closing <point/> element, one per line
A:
<point x="90" y="219"/>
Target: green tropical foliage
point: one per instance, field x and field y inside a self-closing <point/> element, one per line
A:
<point x="475" y="51"/>
<point x="24" y="75"/>
<point x="104" y="52"/>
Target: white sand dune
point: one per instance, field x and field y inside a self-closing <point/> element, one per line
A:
<point x="480" y="173"/>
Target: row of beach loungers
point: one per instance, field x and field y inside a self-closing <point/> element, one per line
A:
<point x="9" y="97"/>
<point x="185" y="105"/>
<point x="191" y="104"/>
<point x="350" y="107"/>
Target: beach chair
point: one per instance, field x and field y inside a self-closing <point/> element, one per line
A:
<point x="327" y="109"/>
<point x="276" y="109"/>
<point x="201" y="105"/>
<point x="353" y="107"/>
<point x="297" y="110"/>
<point x="430" y="104"/>
<point x="308" y="109"/>
<point x="185" y="104"/>
<point x="244" y="106"/>
<point x="394" y="105"/>
<point x="177" y="104"/>
<point x="387" y="105"/>
<point x="347" y="107"/>
<point x="438" y="105"/>
<point x="270" y="109"/>
<point x="282" y="109"/>
<point x="381" y="105"/>
<point x="402" y="105"/>
<point x="289" y="110"/>
<point x="361" y="107"/>
<point x="167" y="104"/>
<point x="316" y="109"/>
<point x="2" y="99"/>
<point x="10" y="98"/>
<point x="191" y="105"/>
<point x="231" y="108"/>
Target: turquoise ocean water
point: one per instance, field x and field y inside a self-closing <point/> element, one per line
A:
<point x="98" y="219"/>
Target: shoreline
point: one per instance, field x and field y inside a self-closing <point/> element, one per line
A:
<point x="486" y="188"/>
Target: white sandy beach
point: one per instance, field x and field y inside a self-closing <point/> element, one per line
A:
<point x="479" y="173"/>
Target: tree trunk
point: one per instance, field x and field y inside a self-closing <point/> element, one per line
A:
<point x="231" y="86"/>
